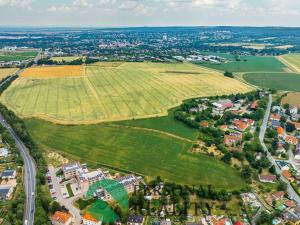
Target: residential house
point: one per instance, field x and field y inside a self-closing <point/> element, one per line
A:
<point x="269" y="178"/>
<point x="291" y="140"/>
<point x="223" y="127"/>
<point x="6" y="192"/>
<point x="85" y="180"/>
<point x="239" y="125"/>
<point x="276" y="108"/>
<point x="223" y="104"/>
<point x="278" y="195"/>
<point x="8" y="174"/>
<point x="287" y="175"/>
<point x="233" y="138"/>
<point x="293" y="110"/>
<point x="70" y="169"/>
<point x="295" y="117"/>
<point x="275" y="124"/>
<point x="254" y="105"/>
<point x="289" y="203"/>
<point x="204" y="124"/>
<point x="135" y="220"/>
<point x="280" y="132"/>
<point x="297" y="153"/>
<point x="275" y="117"/>
<point x="166" y="222"/>
<point x="3" y="152"/>
<point x="296" y="124"/>
<point x="283" y="165"/>
<point x="61" y="218"/>
<point x="130" y="184"/>
<point x="88" y="219"/>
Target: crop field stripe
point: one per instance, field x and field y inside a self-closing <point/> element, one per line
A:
<point x="142" y="84"/>
<point x="130" y="108"/>
<point x="177" y="92"/>
<point x="122" y="78"/>
<point x="116" y="111"/>
<point x="148" y="84"/>
<point x="77" y="97"/>
<point x="146" y="89"/>
<point x="91" y="102"/>
<point x="130" y="87"/>
<point x="26" y="99"/>
<point x="96" y="95"/>
<point x="116" y="89"/>
<point x="153" y="78"/>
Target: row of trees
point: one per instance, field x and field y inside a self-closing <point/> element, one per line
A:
<point x="42" y="202"/>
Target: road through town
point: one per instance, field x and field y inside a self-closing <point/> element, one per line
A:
<point x="263" y="129"/>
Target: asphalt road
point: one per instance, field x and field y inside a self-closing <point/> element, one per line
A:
<point x="293" y="195"/>
<point x="29" y="175"/>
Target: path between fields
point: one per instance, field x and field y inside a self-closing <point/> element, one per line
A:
<point x="291" y="66"/>
<point x="152" y="130"/>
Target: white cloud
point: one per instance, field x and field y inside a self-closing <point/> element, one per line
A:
<point x="16" y="3"/>
<point x="61" y="8"/>
<point x="82" y="3"/>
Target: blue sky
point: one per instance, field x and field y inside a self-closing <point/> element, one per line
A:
<point x="119" y="13"/>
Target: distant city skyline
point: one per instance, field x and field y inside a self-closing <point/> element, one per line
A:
<point x="127" y="13"/>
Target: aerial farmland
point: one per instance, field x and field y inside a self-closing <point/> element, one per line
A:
<point x="110" y="92"/>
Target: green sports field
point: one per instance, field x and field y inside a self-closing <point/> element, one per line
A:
<point x="277" y="81"/>
<point x="107" y="92"/>
<point x="16" y="56"/>
<point x="143" y="151"/>
<point x="248" y="64"/>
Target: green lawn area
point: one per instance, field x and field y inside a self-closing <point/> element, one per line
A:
<point x="15" y="56"/>
<point x="277" y="81"/>
<point x="165" y="124"/>
<point x="69" y="189"/>
<point x="145" y="152"/>
<point x="248" y="64"/>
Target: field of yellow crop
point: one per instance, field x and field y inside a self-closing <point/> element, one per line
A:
<point x="106" y="93"/>
<point x="53" y="71"/>
<point x="292" y="61"/>
<point x="5" y="72"/>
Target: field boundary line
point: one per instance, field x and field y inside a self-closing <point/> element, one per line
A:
<point x="150" y="130"/>
<point x="288" y="64"/>
<point x="95" y="93"/>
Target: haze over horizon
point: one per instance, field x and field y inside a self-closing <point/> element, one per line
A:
<point x="132" y="13"/>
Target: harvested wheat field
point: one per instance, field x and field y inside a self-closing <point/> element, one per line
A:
<point x="5" y="72"/>
<point x="292" y="99"/>
<point x="53" y="71"/>
<point x="66" y="95"/>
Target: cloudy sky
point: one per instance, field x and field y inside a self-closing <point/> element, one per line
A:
<point x="120" y="13"/>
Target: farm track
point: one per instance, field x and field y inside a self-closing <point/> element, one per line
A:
<point x="288" y="64"/>
<point x="151" y="130"/>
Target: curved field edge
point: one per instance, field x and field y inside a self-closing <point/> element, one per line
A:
<point x="276" y="81"/>
<point x="117" y="99"/>
<point x="148" y="153"/>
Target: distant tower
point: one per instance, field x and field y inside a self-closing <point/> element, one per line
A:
<point x="165" y="37"/>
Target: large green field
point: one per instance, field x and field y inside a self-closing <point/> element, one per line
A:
<point x="111" y="92"/>
<point x="164" y="124"/>
<point x="16" y="56"/>
<point x="277" y="81"/>
<point x="248" y="64"/>
<point x="143" y="151"/>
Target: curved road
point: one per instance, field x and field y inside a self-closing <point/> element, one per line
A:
<point x="29" y="177"/>
<point x="293" y="195"/>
